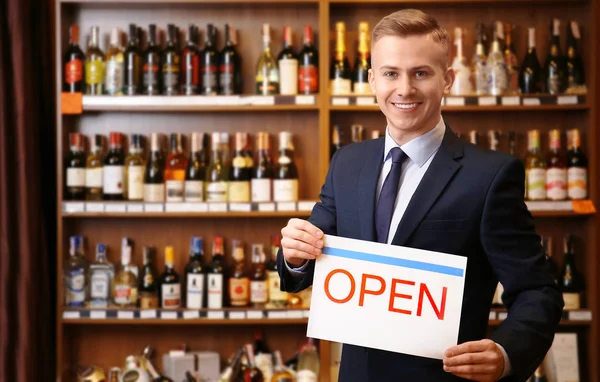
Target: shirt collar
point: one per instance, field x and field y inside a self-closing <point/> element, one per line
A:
<point x="419" y="149"/>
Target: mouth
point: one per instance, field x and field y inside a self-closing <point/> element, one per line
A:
<point x="408" y="106"/>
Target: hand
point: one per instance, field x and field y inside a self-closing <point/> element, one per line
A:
<point x="301" y="241"/>
<point x="476" y="360"/>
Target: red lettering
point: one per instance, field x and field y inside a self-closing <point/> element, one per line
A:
<point x="352" y="286"/>
<point x="393" y="295"/>
<point x="439" y="313"/>
<point x="364" y="291"/>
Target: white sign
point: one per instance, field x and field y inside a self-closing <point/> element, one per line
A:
<point x="387" y="297"/>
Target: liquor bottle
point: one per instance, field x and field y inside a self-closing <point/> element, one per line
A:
<point x="134" y="170"/>
<point x="462" y="72"/>
<point x="133" y="370"/>
<point x="535" y="168"/>
<point x="479" y="66"/>
<point x="210" y="66"/>
<point x="240" y="173"/>
<point x="190" y="64"/>
<point x="362" y="64"/>
<point x="494" y="139"/>
<point x="571" y="280"/>
<point x="196" y="171"/>
<point x="288" y="65"/>
<point x="169" y="291"/>
<point x="512" y="143"/>
<point x="282" y="374"/>
<point x="554" y="68"/>
<point x="133" y="63"/>
<point x="577" y="163"/>
<point x="114" y="176"/>
<point x="170" y="63"/>
<point x="575" y="72"/>
<point x="230" y="78"/>
<point x="216" y="173"/>
<point x="267" y="71"/>
<point x="73" y="63"/>
<point x="357" y="133"/>
<point x="511" y="61"/>
<point x="474" y="137"/>
<point x="556" y="172"/>
<point x="94" y="65"/>
<point x="239" y="283"/>
<point x="339" y="73"/>
<point x="175" y="169"/>
<point x="151" y="68"/>
<point x="497" y="71"/>
<point x="308" y="71"/>
<point x="75" y="169"/>
<point x="539" y="375"/>
<point x="154" y="186"/>
<point x="259" y="292"/>
<point x="94" y="170"/>
<point x="252" y="372"/>
<point x="285" y="183"/>
<point x="335" y="140"/>
<point x="262" y="174"/>
<point x="530" y="76"/>
<point x="215" y="275"/>
<point x="115" y="68"/>
<point x="148" y="289"/>
<point x="74" y="274"/>
<point x="125" y="282"/>
<point x="547" y="247"/>
<point x="194" y="275"/>
<point x="308" y="362"/>
<point x="100" y="276"/>
<point x="277" y="298"/>
<point x="375" y="134"/>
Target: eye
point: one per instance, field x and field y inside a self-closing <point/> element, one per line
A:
<point x="389" y="74"/>
<point x="420" y="73"/>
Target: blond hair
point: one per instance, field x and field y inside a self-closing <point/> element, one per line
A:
<point x="411" y="22"/>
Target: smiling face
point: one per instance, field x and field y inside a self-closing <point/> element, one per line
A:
<point x="409" y="76"/>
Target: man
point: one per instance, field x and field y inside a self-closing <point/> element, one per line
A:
<point x="422" y="187"/>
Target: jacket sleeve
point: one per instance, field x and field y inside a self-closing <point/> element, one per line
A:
<point x="322" y="216"/>
<point x="531" y="296"/>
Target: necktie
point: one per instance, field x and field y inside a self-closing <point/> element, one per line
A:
<point x="387" y="197"/>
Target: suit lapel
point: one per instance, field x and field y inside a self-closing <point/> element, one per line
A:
<point x="367" y="190"/>
<point x="440" y="172"/>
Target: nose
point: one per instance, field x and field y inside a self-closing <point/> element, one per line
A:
<point x="404" y="85"/>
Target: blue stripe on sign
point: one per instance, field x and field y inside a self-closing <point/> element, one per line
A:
<point x="429" y="267"/>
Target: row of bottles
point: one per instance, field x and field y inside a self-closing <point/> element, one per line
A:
<point x="203" y="176"/>
<point x="202" y="284"/>
<point x="497" y="72"/>
<point x="187" y="71"/>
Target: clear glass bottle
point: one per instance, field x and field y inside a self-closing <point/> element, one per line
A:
<point x="94" y="171"/>
<point x="282" y="374"/>
<point x="94" y="65"/>
<point x="308" y="362"/>
<point x="125" y="281"/>
<point x="239" y="282"/>
<point x="512" y="62"/>
<point x="267" y="72"/>
<point x="196" y="171"/>
<point x="535" y="168"/>
<point x="285" y="183"/>
<point x="100" y="276"/>
<point x="114" y="79"/>
<point x="462" y="82"/>
<point x="497" y="73"/>
<point x="175" y="169"/>
<point x="74" y="274"/>
<point x="288" y="65"/>
<point x="216" y="172"/>
<point x="259" y="287"/>
<point x="134" y="170"/>
<point x="479" y="67"/>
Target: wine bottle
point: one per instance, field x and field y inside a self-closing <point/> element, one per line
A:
<point x="170" y="63"/>
<point x="462" y="72"/>
<point x="216" y="172"/>
<point x="240" y="173"/>
<point x="175" y="170"/>
<point x="194" y="275"/>
<point x="512" y="143"/>
<point x="94" y="170"/>
<point x="132" y="76"/>
<point x="94" y="65"/>
<point x="114" y="175"/>
<point x="339" y="73"/>
<point x="494" y="139"/>
<point x="555" y="81"/>
<point x="530" y="76"/>
<point x="547" y="247"/>
<point x="539" y="375"/>
<point x="308" y="71"/>
<point x="535" y="168"/>
<point x="288" y="65"/>
<point x="258" y="282"/>
<point x="148" y="289"/>
<point x="277" y="297"/>
<point x="239" y="283"/>
<point x="154" y="186"/>
<point x="511" y="61"/>
<point x="262" y="175"/>
<point x="73" y="63"/>
<point x="215" y="278"/>
<point x="362" y="64"/>
<point x="577" y="164"/>
<point x="125" y="283"/>
<point x="196" y="171"/>
<point x="357" y="133"/>
<point x="252" y="372"/>
<point x="230" y="78"/>
<point x="474" y="137"/>
<point x="556" y="172"/>
<point x="335" y="140"/>
<point x="479" y="67"/>
<point x="267" y="71"/>
<point x="190" y="63"/>
<point x="151" y="68"/>
<point x="571" y="280"/>
<point x="75" y="169"/>
<point x="575" y="72"/>
<point x="308" y="362"/>
<point x="134" y="170"/>
<point x="169" y="291"/>
<point x="115" y="66"/>
<point x="497" y="72"/>
<point x="285" y="184"/>
<point x="210" y="67"/>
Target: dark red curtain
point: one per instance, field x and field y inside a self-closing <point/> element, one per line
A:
<point x="27" y="192"/>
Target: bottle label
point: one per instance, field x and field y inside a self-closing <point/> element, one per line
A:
<point x="362" y="88"/>
<point x="239" y="191"/>
<point x="553" y="82"/>
<point x="171" y="296"/>
<point x="264" y="362"/>
<point x="150" y="77"/>
<point x="75" y="177"/>
<point x="536" y="184"/>
<point x="481" y="77"/>
<point x="572" y="301"/>
<point x="275" y="294"/>
<point x="556" y="183"/>
<point x="497" y="79"/>
<point x="123" y="294"/>
<point x="99" y="285"/>
<point x="170" y="78"/>
<point x="175" y="190"/>
<point x="238" y="291"/>
<point x="306" y="376"/>
<point x="194" y="191"/>
<point x="226" y="78"/>
<point x="94" y="72"/>
<point x="135" y="183"/>
<point x="209" y="78"/>
<point x="285" y="190"/>
<point x="73" y="71"/>
<point x="215" y="291"/>
<point x="340" y="86"/>
<point x="154" y="192"/>
<point x="148" y="300"/>
<point x="288" y="70"/>
<point x="261" y="190"/>
<point x="132" y="73"/>
<point x="577" y="177"/>
<point x="308" y="79"/>
<point x="114" y="77"/>
<point x="76" y="288"/>
<point x="216" y="192"/>
<point x="259" y="292"/>
<point x="195" y="290"/>
<point x="93" y="177"/>
<point x="113" y="180"/>
<point x="192" y="74"/>
<point x="267" y="81"/>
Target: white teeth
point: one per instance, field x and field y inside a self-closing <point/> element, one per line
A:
<point x="405" y="105"/>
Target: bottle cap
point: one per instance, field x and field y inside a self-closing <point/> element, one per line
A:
<point x="308" y="33"/>
<point x="169" y="255"/>
<point x="114" y="37"/>
<point x="196" y="244"/>
<point x="76" y="140"/>
<point x="115" y="138"/>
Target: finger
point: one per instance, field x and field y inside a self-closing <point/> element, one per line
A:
<point x="300" y="246"/>
<point x="472" y="369"/>
<point x="470" y="358"/>
<point x="303" y="236"/>
<point x="291" y="254"/>
<point x="468" y="347"/>
<point x="306" y="226"/>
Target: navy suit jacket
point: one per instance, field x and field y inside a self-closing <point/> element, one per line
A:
<point x="469" y="203"/>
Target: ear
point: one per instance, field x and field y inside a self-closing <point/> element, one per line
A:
<point x="449" y="78"/>
<point x="372" y="81"/>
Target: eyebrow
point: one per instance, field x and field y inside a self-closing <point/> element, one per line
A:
<point x="420" y="67"/>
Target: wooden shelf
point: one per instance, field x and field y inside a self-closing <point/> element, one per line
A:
<point x="564" y="208"/>
<point x="455" y="2"/>
<point x="186" y="1"/>
<point x="580" y="317"/>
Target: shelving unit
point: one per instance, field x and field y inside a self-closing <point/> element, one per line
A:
<point x="107" y="341"/>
